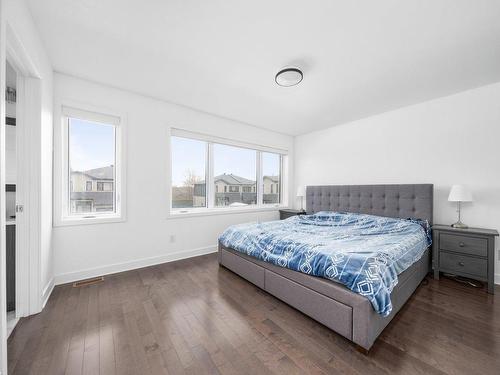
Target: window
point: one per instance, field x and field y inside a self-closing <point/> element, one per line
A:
<point x="91" y="153"/>
<point x="91" y="168"/>
<point x="236" y="167"/>
<point x="188" y="173"/>
<point x="104" y="186"/>
<point x="207" y="173"/>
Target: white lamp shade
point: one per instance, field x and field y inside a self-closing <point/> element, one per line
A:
<point x="459" y="193"/>
<point x="300" y="191"/>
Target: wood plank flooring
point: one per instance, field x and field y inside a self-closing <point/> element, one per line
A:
<point x="192" y="317"/>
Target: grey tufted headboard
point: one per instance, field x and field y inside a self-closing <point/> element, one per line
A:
<point x="403" y="201"/>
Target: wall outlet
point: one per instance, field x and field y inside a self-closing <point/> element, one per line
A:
<point x="172" y="238"/>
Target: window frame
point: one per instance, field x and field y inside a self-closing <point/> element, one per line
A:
<point x="62" y="216"/>
<point x="211" y="208"/>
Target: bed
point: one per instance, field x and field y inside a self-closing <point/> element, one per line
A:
<point x="348" y="313"/>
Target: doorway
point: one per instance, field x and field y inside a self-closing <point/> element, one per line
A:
<point x="33" y="125"/>
<point x="26" y="295"/>
<point x="10" y="194"/>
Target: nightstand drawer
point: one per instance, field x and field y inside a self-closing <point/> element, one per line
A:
<point x="464" y="244"/>
<point x="463" y="264"/>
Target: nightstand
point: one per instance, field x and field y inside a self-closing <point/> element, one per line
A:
<point x="464" y="252"/>
<point x="286" y="213"/>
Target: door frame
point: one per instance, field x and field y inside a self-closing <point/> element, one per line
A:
<point x="30" y="294"/>
<point x="3" y="289"/>
<point x="28" y="119"/>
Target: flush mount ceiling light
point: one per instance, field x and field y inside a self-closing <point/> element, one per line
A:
<point x="289" y="77"/>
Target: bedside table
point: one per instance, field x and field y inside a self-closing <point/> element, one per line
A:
<point x="286" y="213"/>
<point x="464" y="252"/>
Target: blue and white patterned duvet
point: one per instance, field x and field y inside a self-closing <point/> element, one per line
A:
<point x="364" y="252"/>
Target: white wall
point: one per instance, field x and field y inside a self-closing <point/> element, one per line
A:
<point x="446" y="141"/>
<point x="22" y="27"/>
<point x="145" y="237"/>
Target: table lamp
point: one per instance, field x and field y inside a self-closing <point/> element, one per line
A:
<point x="459" y="194"/>
<point x="301" y="194"/>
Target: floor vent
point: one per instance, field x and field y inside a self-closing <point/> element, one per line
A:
<point x="94" y="280"/>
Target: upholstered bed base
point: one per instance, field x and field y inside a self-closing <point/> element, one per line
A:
<point x="330" y="303"/>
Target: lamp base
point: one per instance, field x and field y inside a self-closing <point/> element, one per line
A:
<point x="459" y="225"/>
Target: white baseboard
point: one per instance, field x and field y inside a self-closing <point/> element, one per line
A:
<point x="47" y="291"/>
<point x="12" y="321"/>
<point x="497" y="278"/>
<point x="127" y="266"/>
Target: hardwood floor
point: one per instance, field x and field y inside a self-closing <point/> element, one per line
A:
<point x="192" y="317"/>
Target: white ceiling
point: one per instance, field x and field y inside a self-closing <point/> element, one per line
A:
<point x="359" y="57"/>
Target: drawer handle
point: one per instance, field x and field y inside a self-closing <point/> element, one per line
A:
<point x="461" y="244"/>
<point x="461" y="264"/>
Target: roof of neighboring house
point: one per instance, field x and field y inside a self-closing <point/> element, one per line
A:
<point x="103" y="173"/>
<point x="230" y="179"/>
<point x="273" y="178"/>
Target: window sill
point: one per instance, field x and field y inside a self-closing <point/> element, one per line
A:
<point x="88" y="221"/>
<point x="220" y="211"/>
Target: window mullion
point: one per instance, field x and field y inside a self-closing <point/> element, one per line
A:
<point x="210" y="176"/>
<point x="284" y="176"/>
<point x="66" y="172"/>
<point x="260" y="180"/>
<point x="281" y="185"/>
